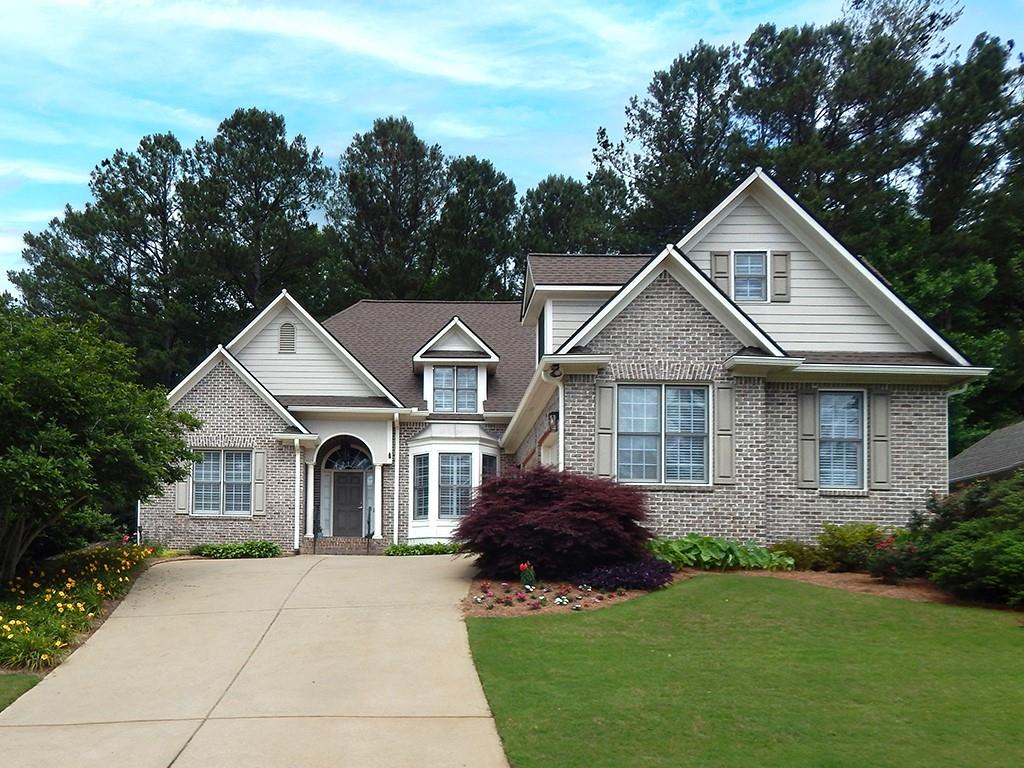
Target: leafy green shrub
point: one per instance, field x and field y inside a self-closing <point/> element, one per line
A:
<point x="698" y="551"/>
<point x="806" y="557"/>
<point x="43" y="609"/>
<point x="649" y="573"/>
<point x="237" y="550"/>
<point x="847" y="547"/>
<point x="435" y="548"/>
<point x="896" y="558"/>
<point x="973" y="541"/>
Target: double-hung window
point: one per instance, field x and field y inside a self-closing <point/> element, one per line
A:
<point x="455" y="389"/>
<point x="421" y="486"/>
<point x="662" y="433"/>
<point x="222" y="483"/>
<point x="750" y="278"/>
<point x="455" y="484"/>
<point x="841" y="439"/>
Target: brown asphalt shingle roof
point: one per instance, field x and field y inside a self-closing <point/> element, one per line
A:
<point x="585" y="269"/>
<point x="998" y="452"/>
<point x="334" y="401"/>
<point x="384" y="336"/>
<point x="870" y="358"/>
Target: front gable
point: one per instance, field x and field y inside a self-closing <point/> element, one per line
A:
<point x="454" y="341"/>
<point x="291" y="354"/>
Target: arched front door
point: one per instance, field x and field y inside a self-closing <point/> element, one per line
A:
<point x="346" y="491"/>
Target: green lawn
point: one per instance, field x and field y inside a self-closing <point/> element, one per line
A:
<point x="752" y="671"/>
<point x="13" y="685"/>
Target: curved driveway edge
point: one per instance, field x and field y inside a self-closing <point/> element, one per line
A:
<point x="299" y="661"/>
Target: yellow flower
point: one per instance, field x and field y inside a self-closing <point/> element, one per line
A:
<point x="35" y="585"/>
<point x="44" y="657"/>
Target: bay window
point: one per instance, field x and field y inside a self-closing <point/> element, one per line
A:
<point x="455" y="483"/>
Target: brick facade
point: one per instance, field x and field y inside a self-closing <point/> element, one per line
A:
<point x="233" y="416"/>
<point x="665" y="335"/>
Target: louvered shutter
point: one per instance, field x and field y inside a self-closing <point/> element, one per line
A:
<point x="259" y="482"/>
<point x="604" y="453"/>
<point x="807" y="429"/>
<point x="780" y="276"/>
<point x="725" y="437"/>
<point x="881" y="459"/>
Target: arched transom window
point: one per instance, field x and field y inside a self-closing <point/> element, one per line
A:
<point x="349" y="457"/>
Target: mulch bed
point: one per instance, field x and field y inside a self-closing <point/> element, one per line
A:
<point x="580" y="600"/>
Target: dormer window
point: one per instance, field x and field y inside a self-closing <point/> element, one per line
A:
<point x="750" y="278"/>
<point x="455" y="389"/>
<point x="286" y="339"/>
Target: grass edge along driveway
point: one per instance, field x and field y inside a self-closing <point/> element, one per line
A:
<point x="730" y="670"/>
<point x="13" y="684"/>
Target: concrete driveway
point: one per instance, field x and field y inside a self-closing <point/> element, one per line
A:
<point x="298" y="661"/>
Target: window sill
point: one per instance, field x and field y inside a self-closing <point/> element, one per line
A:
<point x="670" y="487"/>
<point x="215" y="516"/>
<point x="848" y="492"/>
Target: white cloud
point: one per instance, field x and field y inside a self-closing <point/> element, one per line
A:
<point x="31" y="170"/>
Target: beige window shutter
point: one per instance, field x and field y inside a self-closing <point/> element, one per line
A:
<point x="880" y="456"/>
<point x="725" y="434"/>
<point x="259" y="482"/>
<point x="604" y="453"/>
<point x="780" y="276"/>
<point x="807" y="429"/>
<point x="181" y="494"/>
<point x="720" y="271"/>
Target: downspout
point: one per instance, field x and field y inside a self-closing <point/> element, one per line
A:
<point x="396" y="463"/>
<point x="298" y="490"/>
<point x="138" y="522"/>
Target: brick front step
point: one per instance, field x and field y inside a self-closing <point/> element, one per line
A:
<point x="342" y="545"/>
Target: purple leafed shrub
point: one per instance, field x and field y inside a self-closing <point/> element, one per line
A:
<point x="561" y="522"/>
<point x="649" y="574"/>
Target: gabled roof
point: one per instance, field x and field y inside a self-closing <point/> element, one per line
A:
<point x="697" y="283"/>
<point x="331" y="342"/>
<point x="585" y="268"/>
<point x="385" y="335"/>
<point x="1001" y="451"/>
<point x="433" y="350"/>
<point x="854" y="271"/>
<point x="221" y="354"/>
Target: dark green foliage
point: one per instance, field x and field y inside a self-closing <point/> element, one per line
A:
<point x="79" y="436"/>
<point x="242" y="549"/>
<point x="847" y="547"/>
<point x="806" y="557"/>
<point x="973" y="541"/>
<point x="896" y="558"/>
<point x="695" y="551"/>
<point x="432" y="548"/>
<point x="78" y="528"/>
<point x="649" y="573"/>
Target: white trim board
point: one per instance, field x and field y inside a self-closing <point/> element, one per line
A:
<point x="697" y="283"/>
<point x="456" y="322"/>
<point x="219" y="354"/>
<point x="284" y="298"/>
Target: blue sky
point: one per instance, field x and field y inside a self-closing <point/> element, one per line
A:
<point x="524" y="84"/>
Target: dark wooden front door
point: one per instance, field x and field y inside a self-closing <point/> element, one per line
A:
<point x="348" y="503"/>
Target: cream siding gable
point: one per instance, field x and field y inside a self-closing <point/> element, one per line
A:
<point x="455" y="340"/>
<point x="823" y="313"/>
<point x="568" y="315"/>
<point x="313" y="369"/>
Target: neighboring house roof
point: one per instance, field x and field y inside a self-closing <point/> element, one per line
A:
<point x="585" y="268"/>
<point x="1001" y="451"/>
<point x="697" y="283"/>
<point x="385" y="335"/>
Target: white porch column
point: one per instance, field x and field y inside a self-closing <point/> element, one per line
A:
<point x="309" y="499"/>
<point x="298" y="490"/>
<point x="378" y="501"/>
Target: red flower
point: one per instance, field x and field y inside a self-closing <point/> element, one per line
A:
<point x="523" y="567"/>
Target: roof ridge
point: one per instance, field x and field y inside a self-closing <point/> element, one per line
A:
<point x="591" y="255"/>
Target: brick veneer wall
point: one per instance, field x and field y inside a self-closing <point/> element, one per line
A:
<point x="665" y="335"/>
<point x="233" y="417"/>
<point x="530" y="443"/>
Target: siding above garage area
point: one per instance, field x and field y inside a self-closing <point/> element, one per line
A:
<point x="823" y="312"/>
<point x="313" y="369"/>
